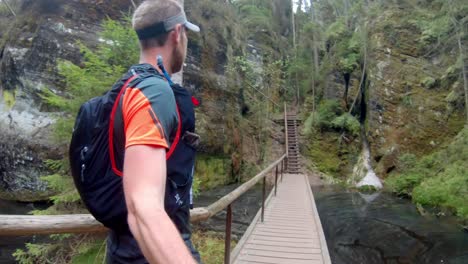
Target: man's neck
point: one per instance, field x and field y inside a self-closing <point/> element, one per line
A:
<point x="150" y="57"/>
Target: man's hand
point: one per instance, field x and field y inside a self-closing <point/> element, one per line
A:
<point x="144" y="187"/>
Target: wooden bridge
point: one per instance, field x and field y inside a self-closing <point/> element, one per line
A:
<point x="287" y="228"/>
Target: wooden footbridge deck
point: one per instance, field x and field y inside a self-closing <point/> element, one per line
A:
<point x="290" y="233"/>
<point x="287" y="228"/>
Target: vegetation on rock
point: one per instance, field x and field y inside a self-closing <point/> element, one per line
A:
<point x="438" y="179"/>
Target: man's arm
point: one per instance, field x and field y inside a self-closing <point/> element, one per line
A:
<point x="144" y="186"/>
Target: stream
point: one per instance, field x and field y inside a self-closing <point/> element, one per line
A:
<point x="382" y="228"/>
<point x="244" y="210"/>
<point x="364" y="229"/>
<point x="8" y="245"/>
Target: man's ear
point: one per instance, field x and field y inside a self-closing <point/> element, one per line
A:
<point x="176" y="34"/>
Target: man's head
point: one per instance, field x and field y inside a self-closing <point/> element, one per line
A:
<point x="162" y="24"/>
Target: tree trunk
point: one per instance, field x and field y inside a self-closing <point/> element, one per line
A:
<point x="316" y="56"/>
<point x="459" y="31"/>
<point x="314" y="37"/>
<point x="347" y="77"/>
<point x="465" y="79"/>
<point x="9" y="7"/>
<point x="293" y="23"/>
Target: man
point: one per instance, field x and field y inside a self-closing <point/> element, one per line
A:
<point x="157" y="204"/>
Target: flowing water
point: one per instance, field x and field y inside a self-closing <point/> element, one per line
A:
<point x="364" y="229"/>
<point x="382" y="228"/>
<point x="8" y="244"/>
<point x="244" y="210"/>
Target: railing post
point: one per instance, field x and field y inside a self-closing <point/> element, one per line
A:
<point x="276" y="179"/>
<point x="282" y="170"/>
<point x="263" y="199"/>
<point x="286" y="163"/>
<point x="286" y="129"/>
<point x="227" y="238"/>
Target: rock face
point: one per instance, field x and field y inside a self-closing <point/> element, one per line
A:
<point x="30" y="45"/>
<point x="412" y="103"/>
<point x="408" y="110"/>
<point x="46" y="31"/>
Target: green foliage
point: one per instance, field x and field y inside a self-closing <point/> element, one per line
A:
<point x="368" y="189"/>
<point x="308" y="127"/>
<point x="210" y="171"/>
<point x="35" y="253"/>
<point x="323" y="150"/>
<point x="5" y="11"/>
<point x="90" y="252"/>
<point x="256" y="17"/>
<point x="121" y="49"/>
<point x="330" y="117"/>
<point x="428" y="82"/>
<point x="265" y="22"/>
<point x="327" y="111"/>
<point x="99" y="70"/>
<point x="347" y="122"/>
<point x="196" y="186"/>
<point x="407" y="101"/>
<point x="439" y="179"/>
<point x="78" y="249"/>
<point x="404" y="184"/>
<point x="336" y="30"/>
<point x="97" y="73"/>
<point x="9" y="98"/>
<point x="211" y="246"/>
<point x="406" y="161"/>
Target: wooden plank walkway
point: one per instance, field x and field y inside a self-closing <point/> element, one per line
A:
<point x="291" y="233"/>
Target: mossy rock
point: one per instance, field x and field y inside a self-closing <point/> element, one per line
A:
<point x="367" y="189"/>
<point x="388" y="162"/>
<point x="211" y="171"/>
<point x="429" y="82"/>
<point x="9" y="97"/>
<point x="26" y="195"/>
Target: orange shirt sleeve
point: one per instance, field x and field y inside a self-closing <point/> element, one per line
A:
<point x="142" y="126"/>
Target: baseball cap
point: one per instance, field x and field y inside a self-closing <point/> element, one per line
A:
<point x="165" y="26"/>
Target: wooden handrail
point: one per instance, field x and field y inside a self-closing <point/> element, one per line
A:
<point x="18" y="225"/>
<point x="222" y="203"/>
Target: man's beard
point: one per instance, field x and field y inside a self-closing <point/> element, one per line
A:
<point x="177" y="60"/>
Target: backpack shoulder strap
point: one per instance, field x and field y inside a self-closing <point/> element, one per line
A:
<point x="177" y="136"/>
<point x="111" y="125"/>
<point x="111" y="128"/>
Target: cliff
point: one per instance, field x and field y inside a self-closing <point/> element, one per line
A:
<point x="48" y="31"/>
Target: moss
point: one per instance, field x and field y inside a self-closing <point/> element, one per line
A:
<point x="439" y="179"/>
<point x="26" y="195"/>
<point x="9" y="97"/>
<point x="329" y="155"/>
<point x="211" y="171"/>
<point x="367" y="189"/>
<point x="429" y="82"/>
<point x="211" y="246"/>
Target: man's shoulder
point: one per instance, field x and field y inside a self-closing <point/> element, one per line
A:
<point x="155" y="86"/>
<point x="153" y="81"/>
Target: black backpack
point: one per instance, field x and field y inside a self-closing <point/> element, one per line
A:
<point x="92" y="159"/>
